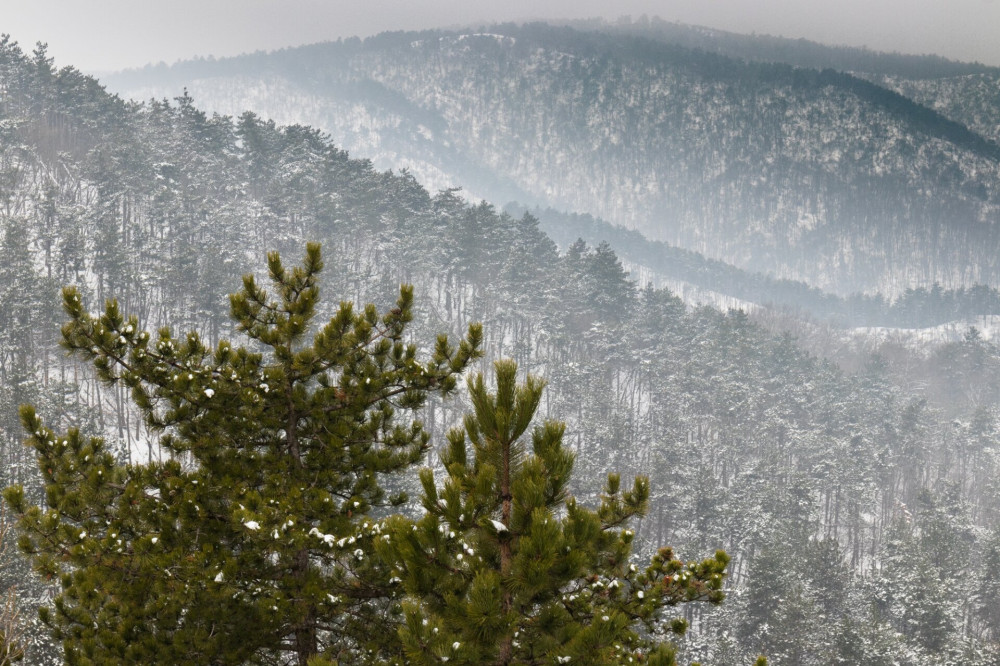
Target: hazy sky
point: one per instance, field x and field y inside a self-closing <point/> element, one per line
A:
<point x="96" y="35"/>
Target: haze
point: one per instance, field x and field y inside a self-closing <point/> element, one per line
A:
<point x="107" y="35"/>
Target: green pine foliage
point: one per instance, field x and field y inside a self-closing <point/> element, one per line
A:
<point x="506" y="568"/>
<point x="246" y="538"/>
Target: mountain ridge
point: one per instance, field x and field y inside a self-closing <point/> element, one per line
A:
<point x="770" y="168"/>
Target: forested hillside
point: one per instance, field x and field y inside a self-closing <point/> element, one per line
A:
<point x="707" y="281"/>
<point x="795" y="52"/>
<point x="971" y="99"/>
<point x="968" y="93"/>
<point x="806" y="174"/>
<point x="860" y="508"/>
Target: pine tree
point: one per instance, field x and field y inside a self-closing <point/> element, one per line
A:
<point x="11" y="624"/>
<point x="987" y="597"/>
<point x="249" y="538"/>
<point x="506" y="567"/>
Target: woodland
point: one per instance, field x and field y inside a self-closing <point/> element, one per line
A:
<point x="856" y="498"/>
<point x="816" y="174"/>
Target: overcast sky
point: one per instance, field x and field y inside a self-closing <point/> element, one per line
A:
<point x="102" y="35"/>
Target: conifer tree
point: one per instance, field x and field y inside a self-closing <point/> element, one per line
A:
<point x="248" y="538"/>
<point x="506" y="568"/>
<point x="11" y="626"/>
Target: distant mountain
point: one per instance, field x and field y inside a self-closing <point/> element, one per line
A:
<point x="968" y="93"/>
<point x="795" y="52"/>
<point x="800" y="173"/>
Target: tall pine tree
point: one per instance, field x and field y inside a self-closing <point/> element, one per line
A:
<point x="506" y="567"/>
<point x="248" y="540"/>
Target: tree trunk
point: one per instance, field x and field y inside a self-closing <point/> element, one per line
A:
<point x="506" y="653"/>
<point x="305" y="632"/>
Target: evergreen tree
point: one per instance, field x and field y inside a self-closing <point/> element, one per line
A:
<point x="506" y="567"/>
<point x="11" y="624"/>
<point x="247" y="538"/>
<point x="987" y="597"/>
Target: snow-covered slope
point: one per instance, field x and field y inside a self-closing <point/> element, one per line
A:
<point x="804" y="174"/>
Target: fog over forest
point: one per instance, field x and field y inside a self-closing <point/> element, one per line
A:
<point x="534" y="342"/>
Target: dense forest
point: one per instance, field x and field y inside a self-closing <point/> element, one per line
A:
<point x="964" y="92"/>
<point x="972" y="99"/>
<point x="712" y="281"/>
<point x="806" y="173"/>
<point x="858" y="503"/>
<point x="795" y="52"/>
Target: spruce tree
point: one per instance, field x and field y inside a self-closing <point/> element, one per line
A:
<point x="248" y="538"/>
<point x="506" y="568"/>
